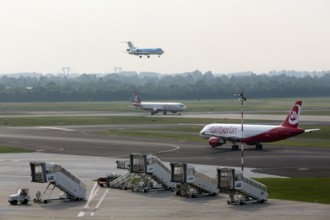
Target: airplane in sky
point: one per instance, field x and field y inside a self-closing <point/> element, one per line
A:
<point x="155" y="107"/>
<point x="219" y="134"/>
<point x="143" y="51"/>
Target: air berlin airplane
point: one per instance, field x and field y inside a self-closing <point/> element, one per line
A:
<point x="155" y="107"/>
<point x="218" y="134"/>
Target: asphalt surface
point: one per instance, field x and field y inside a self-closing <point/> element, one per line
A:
<point x="85" y="151"/>
<point x="105" y="203"/>
<point x="88" y="140"/>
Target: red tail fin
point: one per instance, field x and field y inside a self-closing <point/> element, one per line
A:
<point x="292" y="120"/>
<point x="136" y="100"/>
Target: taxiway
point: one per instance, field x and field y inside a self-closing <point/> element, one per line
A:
<point x="89" y="153"/>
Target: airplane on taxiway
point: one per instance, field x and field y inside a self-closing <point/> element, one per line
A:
<point x="143" y="51"/>
<point x="155" y="107"/>
<point x="218" y="134"/>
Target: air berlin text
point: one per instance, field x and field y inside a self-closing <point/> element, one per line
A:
<point x="224" y="130"/>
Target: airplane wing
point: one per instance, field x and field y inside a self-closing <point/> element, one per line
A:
<point x="312" y="130"/>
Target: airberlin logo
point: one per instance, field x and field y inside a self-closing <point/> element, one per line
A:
<point x="224" y="130"/>
<point x="294" y="115"/>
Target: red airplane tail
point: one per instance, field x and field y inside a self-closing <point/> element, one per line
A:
<point x="292" y="120"/>
<point x="136" y="99"/>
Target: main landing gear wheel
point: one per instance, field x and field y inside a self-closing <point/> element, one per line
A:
<point x="235" y="147"/>
<point x="259" y="147"/>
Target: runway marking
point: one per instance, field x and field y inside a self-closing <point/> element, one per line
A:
<point x="55" y="128"/>
<point x="157" y="152"/>
<point x="101" y="200"/>
<point x="92" y="195"/>
<point x="166" y="151"/>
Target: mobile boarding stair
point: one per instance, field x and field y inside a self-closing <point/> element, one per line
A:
<point x="152" y="172"/>
<point x="124" y="181"/>
<point x="57" y="177"/>
<point x="192" y="183"/>
<point x="239" y="187"/>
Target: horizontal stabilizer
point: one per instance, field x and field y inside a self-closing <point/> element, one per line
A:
<point x="312" y="130"/>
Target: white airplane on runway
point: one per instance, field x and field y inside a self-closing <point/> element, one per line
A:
<point x="143" y="51"/>
<point x="218" y="134"/>
<point x="155" y="107"/>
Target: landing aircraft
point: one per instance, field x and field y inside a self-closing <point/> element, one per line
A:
<point x="155" y="107"/>
<point x="143" y="51"/>
<point x="218" y="134"/>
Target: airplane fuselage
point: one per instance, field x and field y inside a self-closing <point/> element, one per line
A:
<point x="164" y="107"/>
<point x="219" y="134"/>
<point x="147" y="51"/>
<point x="251" y="135"/>
<point x="143" y="51"/>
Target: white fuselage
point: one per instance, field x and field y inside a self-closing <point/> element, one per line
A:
<point x="219" y="134"/>
<point x="251" y="134"/>
<point x="162" y="107"/>
<point x="234" y="130"/>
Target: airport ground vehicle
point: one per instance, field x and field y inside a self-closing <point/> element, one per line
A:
<point x="101" y="181"/>
<point x="21" y="196"/>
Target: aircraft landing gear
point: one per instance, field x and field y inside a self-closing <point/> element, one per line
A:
<point x="235" y="147"/>
<point x="259" y="147"/>
<point x="140" y="56"/>
<point x="148" y="56"/>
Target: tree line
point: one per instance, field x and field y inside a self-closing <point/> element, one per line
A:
<point x="153" y="86"/>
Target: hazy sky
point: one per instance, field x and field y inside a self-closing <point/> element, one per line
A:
<point x="218" y="35"/>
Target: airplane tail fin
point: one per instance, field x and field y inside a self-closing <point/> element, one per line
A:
<point x="292" y="120"/>
<point x="130" y="45"/>
<point x="136" y="99"/>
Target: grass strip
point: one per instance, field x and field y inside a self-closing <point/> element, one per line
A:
<point x="315" y="190"/>
<point x="5" y="149"/>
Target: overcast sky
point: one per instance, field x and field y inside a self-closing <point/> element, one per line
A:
<point x="221" y="36"/>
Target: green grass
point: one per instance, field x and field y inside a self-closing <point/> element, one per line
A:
<point x="295" y="142"/>
<point x="66" y="106"/>
<point x="314" y="190"/>
<point x="4" y="149"/>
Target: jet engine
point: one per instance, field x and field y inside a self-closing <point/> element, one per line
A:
<point x="216" y="142"/>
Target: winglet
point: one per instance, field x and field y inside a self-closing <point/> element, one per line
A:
<point x="292" y="120"/>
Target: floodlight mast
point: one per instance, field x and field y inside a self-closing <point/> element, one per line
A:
<point x="242" y="99"/>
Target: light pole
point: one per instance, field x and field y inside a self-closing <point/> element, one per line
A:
<point x="242" y="99"/>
